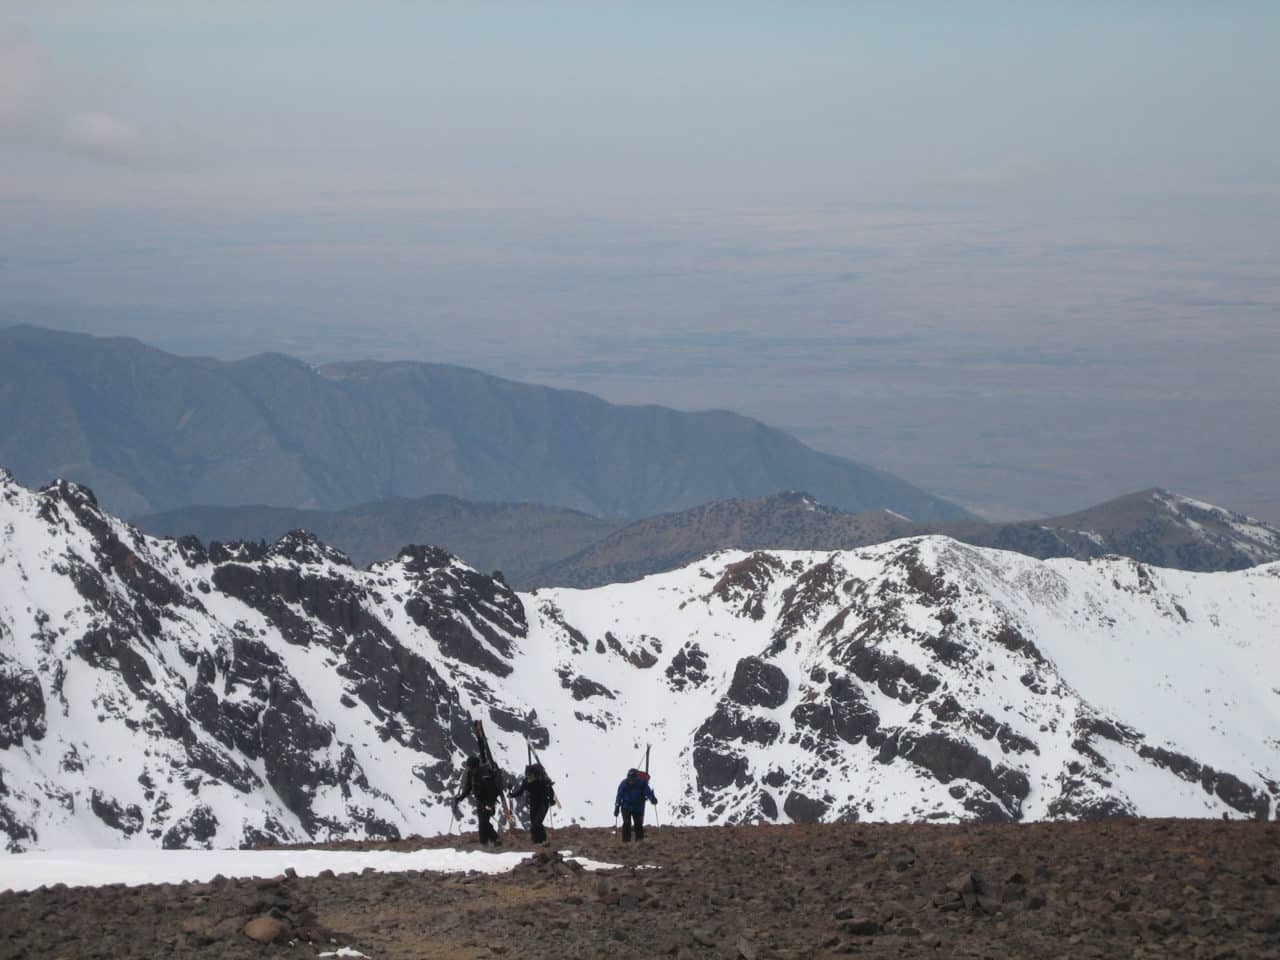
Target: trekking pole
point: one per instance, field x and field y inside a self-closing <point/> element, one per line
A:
<point x="452" y="817"/>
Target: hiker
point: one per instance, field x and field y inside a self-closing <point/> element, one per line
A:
<point x="482" y="784"/>
<point x="632" y="793"/>
<point x="542" y="795"/>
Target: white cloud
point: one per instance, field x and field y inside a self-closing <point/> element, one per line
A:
<point x="35" y="113"/>
<point x="103" y="137"/>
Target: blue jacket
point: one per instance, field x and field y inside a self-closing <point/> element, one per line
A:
<point x="633" y="793"/>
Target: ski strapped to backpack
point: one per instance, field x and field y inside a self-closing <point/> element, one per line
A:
<point x="533" y="758"/>
<point x="490" y="775"/>
<point x="643" y="776"/>
<point x="643" y="772"/>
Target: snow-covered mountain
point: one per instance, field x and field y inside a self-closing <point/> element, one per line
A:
<point x="157" y="692"/>
<point x="1152" y="526"/>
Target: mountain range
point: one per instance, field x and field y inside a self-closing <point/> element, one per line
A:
<point x="518" y="539"/>
<point x="151" y="431"/>
<point x="157" y="692"/>
<point x="536" y="546"/>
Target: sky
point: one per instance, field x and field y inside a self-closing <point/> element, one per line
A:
<point x="1028" y="259"/>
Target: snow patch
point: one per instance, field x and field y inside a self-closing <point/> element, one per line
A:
<point x="92" y="868"/>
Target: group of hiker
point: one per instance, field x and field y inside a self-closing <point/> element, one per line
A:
<point x="482" y="782"/>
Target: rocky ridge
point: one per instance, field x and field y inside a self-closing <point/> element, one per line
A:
<point x="162" y="692"/>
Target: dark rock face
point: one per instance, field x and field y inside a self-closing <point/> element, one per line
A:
<point x="197" y="828"/>
<point x="111" y="553"/>
<point x="804" y="599"/>
<point x="731" y="723"/>
<point x="642" y="658"/>
<point x="1227" y="787"/>
<point x="716" y="770"/>
<point x="491" y="607"/>
<point x="291" y="738"/>
<point x="949" y="759"/>
<point x="16" y="833"/>
<point x="415" y="705"/>
<point x="758" y="684"/>
<point x="127" y="820"/>
<point x="768" y="806"/>
<point x="21" y="704"/>
<point x="744" y="583"/>
<point x="584" y="688"/>
<point x="895" y="677"/>
<point x="852" y="717"/>
<point x="803" y="809"/>
<point x="929" y="585"/>
<point x="688" y="668"/>
<point x="526" y="726"/>
<point x="1078" y="799"/>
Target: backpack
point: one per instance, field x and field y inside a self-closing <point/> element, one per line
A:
<point x="487" y="785"/>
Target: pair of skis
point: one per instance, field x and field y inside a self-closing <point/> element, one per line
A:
<point x="657" y="820"/>
<point x="486" y="758"/>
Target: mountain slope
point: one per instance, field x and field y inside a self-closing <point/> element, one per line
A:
<point x="154" y="692"/>
<point x="541" y="546"/>
<point x="516" y="538"/>
<point x="784" y="521"/>
<point x="1152" y="526"/>
<point x="152" y="431"/>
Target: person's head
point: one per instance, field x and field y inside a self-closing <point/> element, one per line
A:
<point x="632" y="773"/>
<point x="473" y="762"/>
<point x="531" y="772"/>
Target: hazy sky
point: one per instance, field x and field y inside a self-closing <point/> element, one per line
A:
<point x="1029" y="259"/>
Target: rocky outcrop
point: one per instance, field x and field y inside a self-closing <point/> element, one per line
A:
<point x="758" y="684"/>
<point x="21" y="703"/>
<point x="688" y="668"/>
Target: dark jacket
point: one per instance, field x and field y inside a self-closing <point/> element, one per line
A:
<point x="633" y="793"/>
<point x="541" y="792"/>
<point x="485" y="785"/>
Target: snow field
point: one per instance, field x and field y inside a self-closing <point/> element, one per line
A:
<point x="98" y="867"/>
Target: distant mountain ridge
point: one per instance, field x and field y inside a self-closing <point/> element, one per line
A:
<point x="151" y="431"/>
<point x="519" y="539"/>
<point x="785" y="521"/>
<point x="1151" y="526"/>
<point x="542" y="546"/>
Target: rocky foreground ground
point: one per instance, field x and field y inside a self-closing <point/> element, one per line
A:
<point x="1120" y="888"/>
